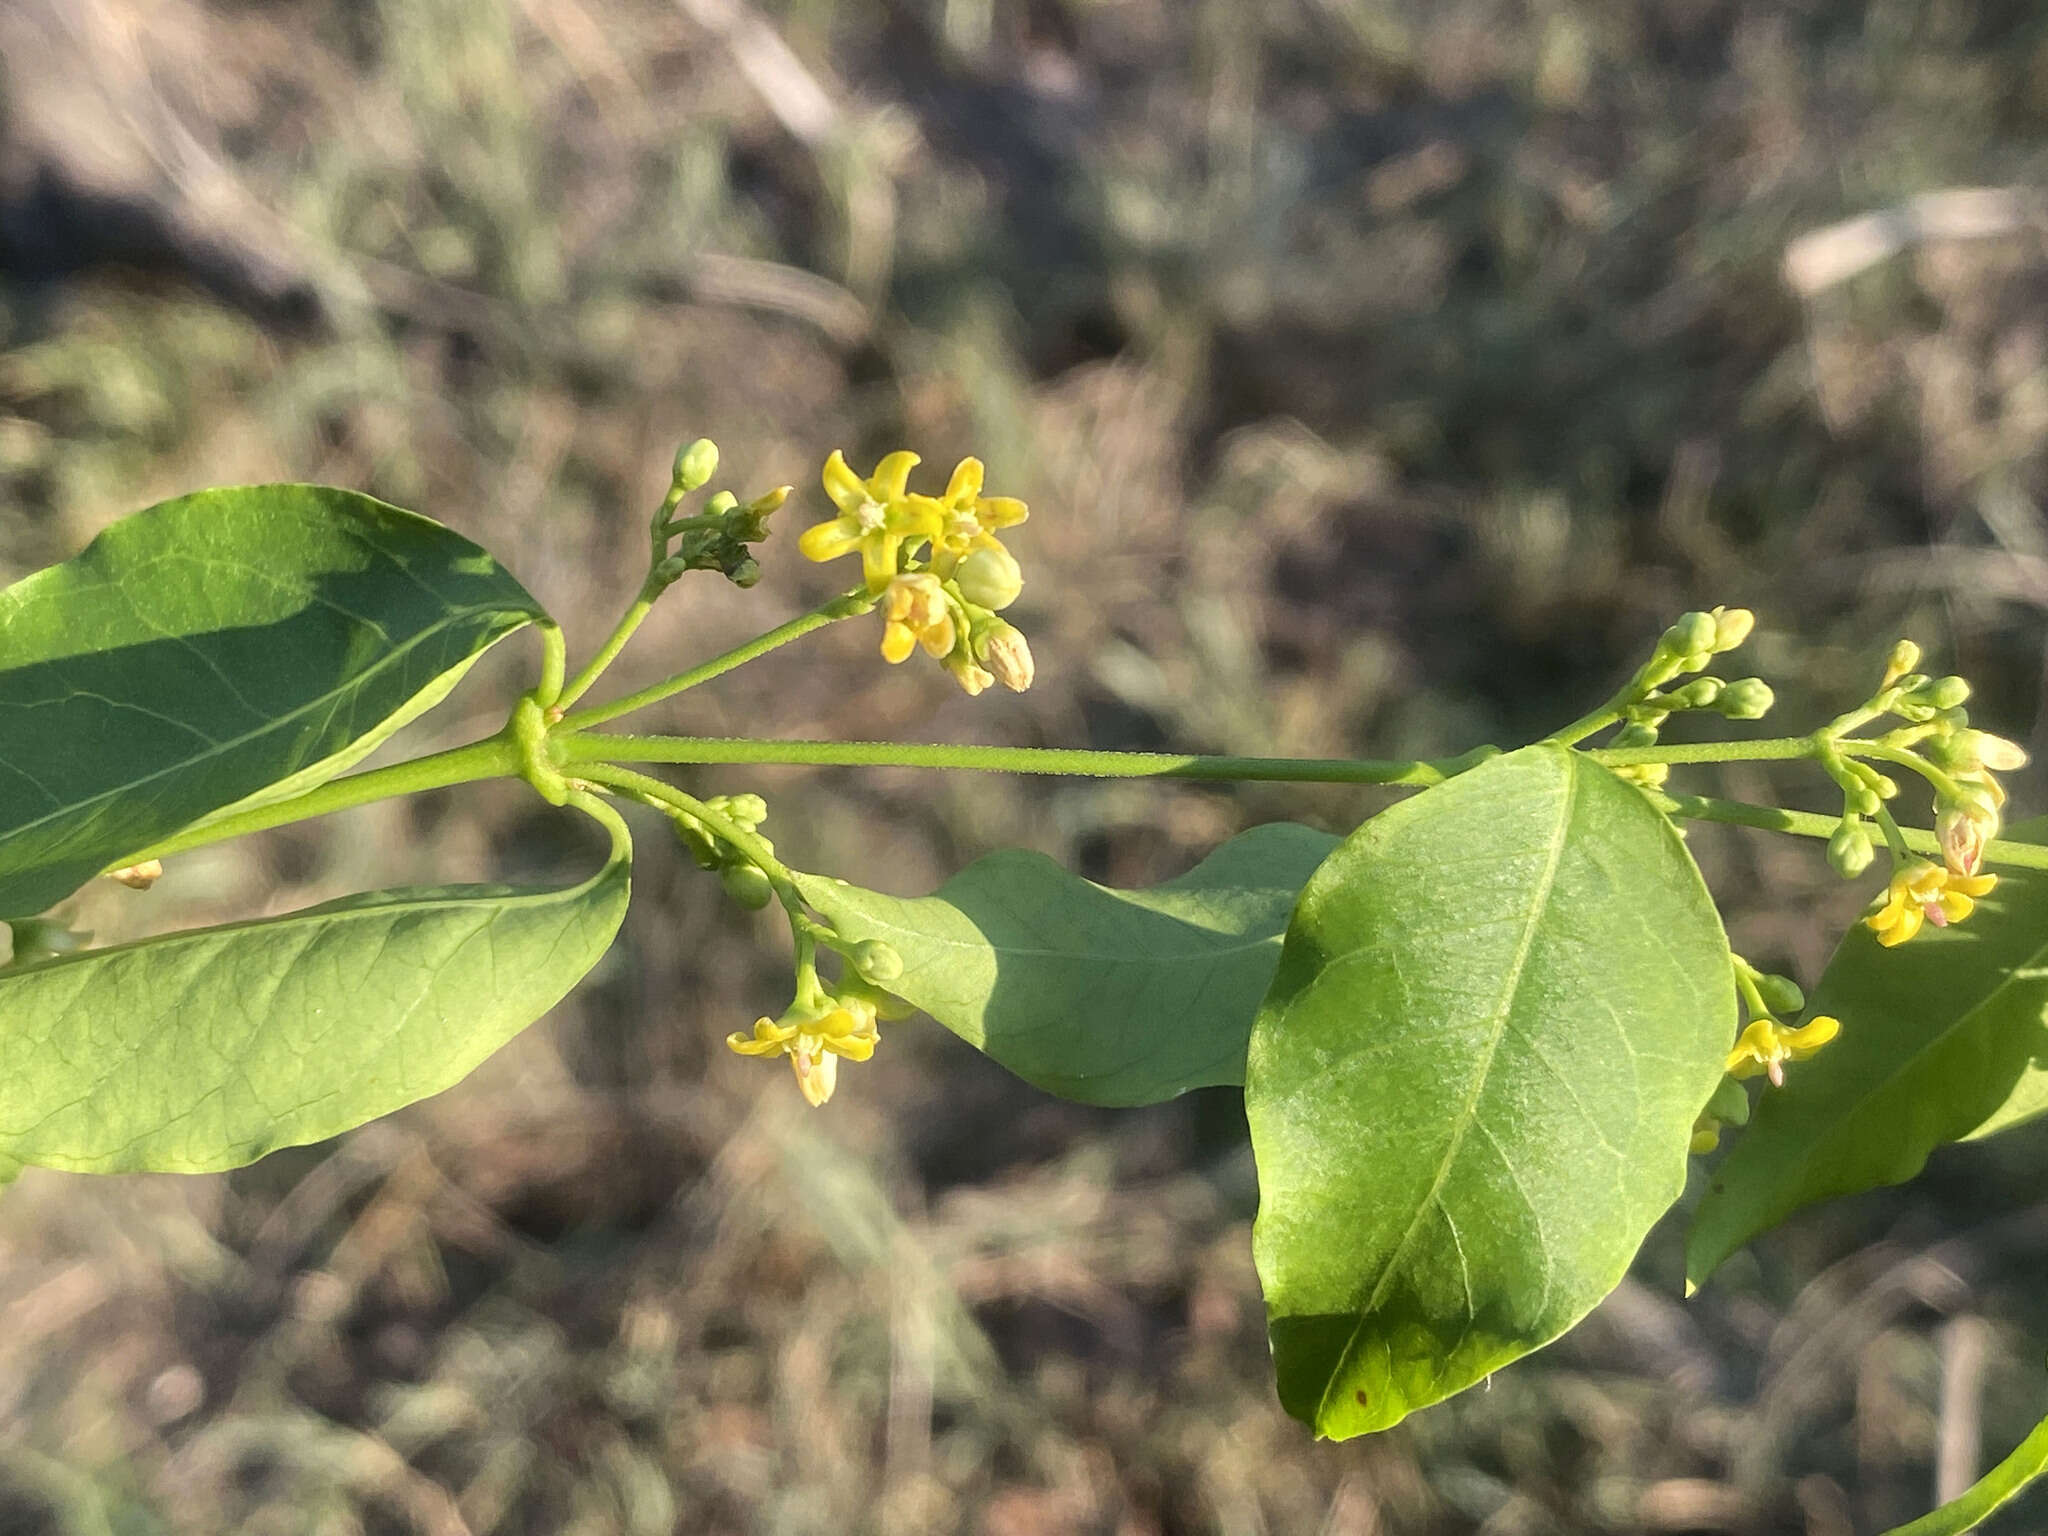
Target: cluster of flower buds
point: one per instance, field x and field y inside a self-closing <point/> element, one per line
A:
<point x="935" y="563"/>
<point x="1687" y="647"/>
<point x="744" y="880"/>
<point x="715" y="539"/>
<point x="1935" y="739"/>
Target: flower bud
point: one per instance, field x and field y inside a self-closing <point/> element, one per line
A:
<point x="139" y="877"/>
<point x="1943" y="693"/>
<point x="746" y="810"/>
<point x="1850" y="849"/>
<point x="720" y="504"/>
<point x="990" y="578"/>
<point x="876" y="961"/>
<point x="747" y="885"/>
<point x="695" y="463"/>
<point x="1781" y="995"/>
<point x="1747" y="698"/>
<point x="1998" y="754"/>
<point x="1635" y="735"/>
<point x="1008" y="656"/>
<point x="745" y="572"/>
<point x="1962" y="837"/>
<point x="1700" y="693"/>
<point x="1904" y="657"/>
<point x="1645" y="775"/>
<point x="1732" y="627"/>
<point x="1692" y="635"/>
<point x="966" y="673"/>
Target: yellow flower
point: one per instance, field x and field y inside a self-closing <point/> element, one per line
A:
<point x="915" y="612"/>
<point x="968" y="520"/>
<point x="814" y="1042"/>
<point x="1767" y="1045"/>
<point x="1925" y="893"/>
<point x="877" y="516"/>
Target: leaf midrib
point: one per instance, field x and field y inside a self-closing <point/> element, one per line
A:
<point x="1468" y="1115"/>
<point x="275" y="722"/>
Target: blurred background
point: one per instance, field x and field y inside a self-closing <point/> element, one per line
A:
<point x="1382" y="375"/>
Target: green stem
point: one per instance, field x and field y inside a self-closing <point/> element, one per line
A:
<point x="650" y="790"/>
<point x="575" y="750"/>
<point x="1571" y="735"/>
<point x="842" y="607"/>
<point x="554" y="663"/>
<point x="494" y="758"/>
<point x="1805" y="824"/>
<point x="1943" y="784"/>
<point x="608" y="653"/>
<point x="1771" y="749"/>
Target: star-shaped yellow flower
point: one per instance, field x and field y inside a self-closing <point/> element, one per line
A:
<point x="1925" y="893"/>
<point x="814" y="1042"/>
<point x="967" y="519"/>
<point x="1767" y="1045"/>
<point x="877" y="516"/>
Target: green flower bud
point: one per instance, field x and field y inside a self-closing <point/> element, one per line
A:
<point x="1635" y="735"/>
<point x="745" y="884"/>
<point x="990" y="578"/>
<point x="1850" y="849"/>
<point x="1732" y="627"/>
<point x="1904" y="657"/>
<point x="745" y="572"/>
<point x="695" y="463"/>
<point x="1693" y="635"/>
<point x="747" y="810"/>
<point x="1781" y="995"/>
<point x="1942" y="693"/>
<point x="876" y="961"/>
<point x="719" y="505"/>
<point x="1730" y="1103"/>
<point x="1862" y="800"/>
<point x="1700" y="693"/>
<point x="1747" y="698"/>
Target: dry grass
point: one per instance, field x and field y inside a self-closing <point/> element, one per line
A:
<point x="1381" y="377"/>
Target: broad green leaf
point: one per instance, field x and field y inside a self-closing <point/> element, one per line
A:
<point x="1500" y="1008"/>
<point x="1943" y="1039"/>
<point x="208" y="1049"/>
<point x="1098" y="995"/>
<point x="1989" y="1493"/>
<point x="222" y="650"/>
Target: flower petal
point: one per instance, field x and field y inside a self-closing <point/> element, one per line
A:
<point x="828" y="541"/>
<point x="842" y="484"/>
<point x="1000" y="511"/>
<point x="892" y="476"/>
<point x="965" y="486"/>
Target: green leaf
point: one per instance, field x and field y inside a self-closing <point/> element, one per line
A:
<point x="1943" y="1038"/>
<point x="220" y="651"/>
<point x="1098" y="995"/>
<point x="1983" y="1499"/>
<point x="208" y="1049"/>
<point x="1500" y="1008"/>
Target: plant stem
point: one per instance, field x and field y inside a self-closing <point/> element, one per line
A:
<point x="493" y="758"/>
<point x="608" y="653"/>
<point x="846" y="605"/>
<point x="554" y="662"/>
<point x="572" y="751"/>
<point x="1771" y="749"/>
<point x="1806" y="824"/>
<point x="1571" y="735"/>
